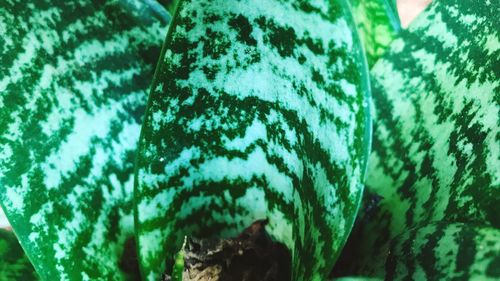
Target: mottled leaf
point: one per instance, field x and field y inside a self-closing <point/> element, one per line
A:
<point x="258" y="110"/>
<point x="73" y="82"/>
<point x="436" y="132"/>
<point x="14" y="265"/>
<point x="378" y="25"/>
<point x="442" y="251"/>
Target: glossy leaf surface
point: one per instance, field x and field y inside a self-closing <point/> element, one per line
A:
<point x="257" y="111"/>
<point x="436" y="148"/>
<point x="73" y="82"/>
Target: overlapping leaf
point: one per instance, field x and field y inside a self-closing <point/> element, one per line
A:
<point x="436" y="134"/>
<point x="258" y="110"/>
<point x="73" y="82"/>
<point x="378" y="24"/>
<point x="438" y="251"/>
<point x="14" y="265"/>
<point x="445" y="251"/>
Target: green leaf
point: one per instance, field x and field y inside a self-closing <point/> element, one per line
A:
<point x="4" y="222"/>
<point x="73" y="82"/>
<point x="257" y="111"/>
<point x="178" y="268"/>
<point x="436" y="147"/>
<point x="442" y="251"/>
<point x="436" y="153"/>
<point x="14" y="265"/>
<point x="378" y="25"/>
<point x="170" y="5"/>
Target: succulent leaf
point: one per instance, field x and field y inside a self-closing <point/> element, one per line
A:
<point x="73" y="83"/>
<point x="258" y="110"/>
<point x="436" y="147"/>
<point x="443" y="251"/>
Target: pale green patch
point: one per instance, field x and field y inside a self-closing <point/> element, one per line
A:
<point x="70" y="92"/>
<point x="436" y="150"/>
<point x="276" y="110"/>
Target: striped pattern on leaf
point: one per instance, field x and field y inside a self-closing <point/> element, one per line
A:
<point x="257" y="110"/>
<point x="442" y="251"/>
<point x="73" y="83"/>
<point x="169" y="4"/>
<point x="4" y="222"/>
<point x="14" y="265"/>
<point x="378" y="24"/>
<point x="436" y="251"/>
<point x="436" y="132"/>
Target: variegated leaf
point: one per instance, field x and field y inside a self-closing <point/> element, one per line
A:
<point x="378" y="24"/>
<point x="73" y="82"/>
<point x="437" y="129"/>
<point x="442" y="251"/>
<point x="258" y="110"/>
<point x="14" y="264"/>
<point x="437" y="251"/>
